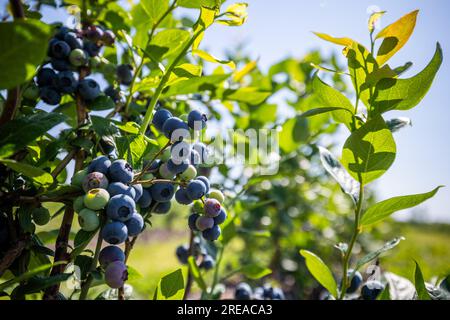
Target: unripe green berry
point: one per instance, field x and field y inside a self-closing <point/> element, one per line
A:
<point x="78" y="58"/>
<point x="78" y="204"/>
<point x="166" y="155"/>
<point x="41" y="216"/>
<point x="96" y="199"/>
<point x="216" y="194"/>
<point x="198" y="206"/>
<point x="78" y="178"/>
<point x="165" y="172"/>
<point x="189" y="174"/>
<point x="147" y="177"/>
<point x="88" y="220"/>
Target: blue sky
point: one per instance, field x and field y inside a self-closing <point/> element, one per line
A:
<point x="275" y="30"/>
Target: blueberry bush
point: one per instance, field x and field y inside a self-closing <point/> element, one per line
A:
<point x="103" y="135"/>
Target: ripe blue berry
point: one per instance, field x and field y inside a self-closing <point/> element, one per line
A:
<point x="221" y="217"/>
<point x="203" y="223"/>
<point x="89" y="89"/>
<point x="94" y="33"/>
<point x="115" y="232"/>
<point x="175" y="129"/>
<point x="371" y="289"/>
<point x="207" y="263"/>
<point x="108" y="37"/>
<point x="125" y="74"/>
<point x="162" y="191"/>
<point x="46" y="77"/>
<point x="88" y="220"/>
<point x="50" y="95"/>
<point x="91" y="48"/>
<point x="196" y="189"/>
<point x="116" y="274"/>
<point x="96" y="199"/>
<point x="205" y="180"/>
<point x="62" y="30"/>
<point x="243" y="291"/>
<point x="120" y="207"/>
<point x="355" y="282"/>
<point x="162" y="208"/>
<point x="160" y="117"/>
<point x="95" y="180"/>
<point x="121" y="171"/>
<point x="192" y="221"/>
<point x="68" y="84"/>
<point x="182" y="253"/>
<point x="197" y="120"/>
<point x="202" y="151"/>
<point x="113" y="93"/>
<point x="177" y="167"/>
<point x="181" y="196"/>
<point x="212" y="234"/>
<point x="110" y="254"/>
<point x="59" y="50"/>
<point x="73" y="41"/>
<point x="138" y="189"/>
<point x="135" y="224"/>
<point x="117" y="188"/>
<point x="100" y="164"/>
<point x="146" y="199"/>
<point x="60" y="64"/>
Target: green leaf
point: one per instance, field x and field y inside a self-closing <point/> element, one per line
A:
<point x="103" y="126"/>
<point x="405" y="94"/>
<point x="254" y="271"/>
<point x="195" y="272"/>
<point x="82" y="239"/>
<point x="249" y="95"/>
<point x="196" y="85"/>
<point x="24" y="47"/>
<point x="385" y="294"/>
<point x="171" y="286"/>
<point x="369" y="151"/>
<point x="294" y="131"/>
<point x="384" y="209"/>
<point x="25" y="219"/>
<point x="37" y="284"/>
<point x="31" y="128"/>
<point x="317" y="111"/>
<point x="197" y="4"/>
<point x="210" y="58"/>
<point x="348" y="185"/>
<point x="133" y="148"/>
<point x="395" y="36"/>
<point x="329" y="97"/>
<point x="375" y="254"/>
<point x="102" y="102"/>
<point x="167" y="43"/>
<point x="38" y="175"/>
<point x="320" y="271"/>
<point x="419" y="283"/>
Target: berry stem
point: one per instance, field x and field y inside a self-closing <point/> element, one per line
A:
<point x="216" y="271"/>
<point x="153" y="160"/>
<point x="189" y="281"/>
<point x="64" y="162"/>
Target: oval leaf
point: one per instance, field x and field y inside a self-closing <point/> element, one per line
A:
<point x="38" y="175"/>
<point x="387" y="207"/>
<point x="320" y="271"/>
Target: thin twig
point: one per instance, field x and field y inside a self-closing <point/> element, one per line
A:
<point x="64" y="162"/>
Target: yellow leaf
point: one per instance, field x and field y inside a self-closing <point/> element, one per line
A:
<point x="208" y="57"/>
<point x="374" y="17"/>
<point x="236" y="14"/>
<point x="205" y="20"/>
<point x="249" y="67"/>
<point x="395" y="36"/>
<point x="347" y="42"/>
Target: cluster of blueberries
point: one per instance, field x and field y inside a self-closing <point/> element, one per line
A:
<point x="207" y="262"/>
<point x="182" y="162"/>
<point x="369" y="291"/>
<point x="267" y="292"/>
<point x="109" y="193"/>
<point x="68" y="51"/>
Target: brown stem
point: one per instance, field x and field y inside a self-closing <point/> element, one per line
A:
<point x="189" y="277"/>
<point x="129" y="244"/>
<point x="64" y="162"/>
<point x="11" y="255"/>
<point x="17" y="8"/>
<point x="62" y="241"/>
